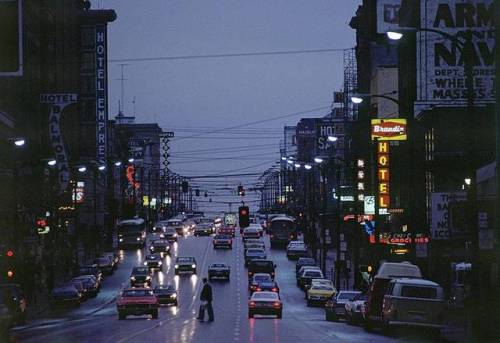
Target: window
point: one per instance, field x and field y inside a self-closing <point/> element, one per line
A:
<point x="419" y="292"/>
<point x="88" y="37"/>
<point x="87" y="62"/>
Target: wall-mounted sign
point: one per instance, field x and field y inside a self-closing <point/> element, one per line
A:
<point x="389" y="129"/>
<point x="441" y="79"/>
<point x="346" y="198"/>
<point x="78" y="195"/>
<point x="403" y="238"/>
<point x="387" y="15"/>
<point x="101" y="90"/>
<point x="440" y="213"/>
<point x="57" y="104"/>
<point x="369" y="204"/>
<point x="384" y="198"/>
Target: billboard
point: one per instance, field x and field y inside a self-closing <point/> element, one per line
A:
<point x="389" y="129"/>
<point x="441" y="81"/>
<point x="11" y="37"/>
<point x="440" y="213"/>
<point x="387" y="15"/>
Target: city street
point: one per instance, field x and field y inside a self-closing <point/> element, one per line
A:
<point x="97" y="320"/>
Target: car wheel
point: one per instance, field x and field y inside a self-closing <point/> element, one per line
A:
<point x="279" y="315"/>
<point x="154" y="314"/>
<point x="329" y="317"/>
<point x="121" y="316"/>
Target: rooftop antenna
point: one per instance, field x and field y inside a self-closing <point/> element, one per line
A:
<point x="121" y="106"/>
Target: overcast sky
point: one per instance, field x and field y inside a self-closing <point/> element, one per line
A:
<point x="190" y="96"/>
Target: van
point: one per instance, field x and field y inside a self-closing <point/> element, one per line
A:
<point x="388" y="271"/>
<point x="413" y="303"/>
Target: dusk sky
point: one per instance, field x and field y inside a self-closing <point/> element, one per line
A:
<point x="191" y="96"/>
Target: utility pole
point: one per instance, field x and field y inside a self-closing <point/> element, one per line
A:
<point x="122" y="80"/>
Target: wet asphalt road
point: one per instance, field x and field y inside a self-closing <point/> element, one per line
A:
<point x="96" y="320"/>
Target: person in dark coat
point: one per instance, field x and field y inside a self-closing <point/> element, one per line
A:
<point x="206" y="302"/>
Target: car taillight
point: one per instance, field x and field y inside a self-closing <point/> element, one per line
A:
<point x="276" y="304"/>
<point x="272" y="274"/>
<point x="271" y="235"/>
<point x="251" y="304"/>
<point x="258" y="289"/>
<point x="274" y="289"/>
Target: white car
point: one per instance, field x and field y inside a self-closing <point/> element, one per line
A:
<point x="266" y="303"/>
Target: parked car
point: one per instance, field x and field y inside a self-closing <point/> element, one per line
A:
<point x="353" y="307"/>
<point x="307" y="276"/>
<point x="335" y="308"/>
<point x="89" y="283"/>
<point x="91" y="269"/>
<point x="413" y="303"/>
<point x="304" y="261"/>
<point x="114" y="256"/>
<point x="105" y="264"/>
<point x="65" y="295"/>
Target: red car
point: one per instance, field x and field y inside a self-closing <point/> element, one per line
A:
<point x="137" y="301"/>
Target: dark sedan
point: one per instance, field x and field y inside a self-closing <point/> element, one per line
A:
<point x="254" y="254"/>
<point x="65" y="295"/>
<point x="140" y="277"/>
<point x="166" y="295"/>
<point x="219" y="270"/>
<point x="335" y="308"/>
<point x="160" y="246"/>
<point x="153" y="261"/>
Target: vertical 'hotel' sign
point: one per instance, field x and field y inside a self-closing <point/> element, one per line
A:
<point x="100" y="92"/>
<point x="383" y="176"/>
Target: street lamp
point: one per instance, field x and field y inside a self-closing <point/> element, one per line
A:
<point x="307" y="166"/>
<point x="358" y="98"/>
<point x="297" y="165"/>
<point x="468" y="181"/>
<point x="283" y="158"/>
<point x="118" y="163"/>
<point x="131" y="160"/>
<point x="101" y="168"/>
<point x="82" y="169"/>
<point x="289" y="161"/>
<point x="393" y="35"/>
<point x="19" y="141"/>
<point x="52" y="162"/>
<point x="318" y="160"/>
<point x="332" y="138"/>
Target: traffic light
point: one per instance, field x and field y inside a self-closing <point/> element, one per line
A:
<point x="9" y="268"/>
<point x="185" y="186"/>
<point x="244" y="216"/>
<point x="240" y="190"/>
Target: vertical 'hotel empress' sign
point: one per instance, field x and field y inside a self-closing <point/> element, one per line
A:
<point x="101" y="88"/>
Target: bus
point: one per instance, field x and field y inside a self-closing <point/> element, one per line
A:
<point x="131" y="232"/>
<point x="281" y="231"/>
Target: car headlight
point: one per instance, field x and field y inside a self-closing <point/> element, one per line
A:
<point x="193" y="266"/>
<point x="174" y="235"/>
<point x="148" y="277"/>
<point x="145" y="263"/>
<point x="132" y="278"/>
<point x="160" y="263"/>
<point x="176" y="266"/>
<point x="174" y="295"/>
<point x="151" y="248"/>
<point x="121" y="239"/>
<point x="138" y="238"/>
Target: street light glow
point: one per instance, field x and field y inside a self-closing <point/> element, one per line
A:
<point x="118" y="163"/>
<point x="19" y="141"/>
<point x="82" y="169"/>
<point x="101" y="168"/>
<point x="307" y="166"/>
<point x="467" y="181"/>
<point x="283" y="158"/>
<point x="356" y="99"/>
<point x="332" y="138"/>
<point x="297" y="165"/>
<point x="318" y="160"/>
<point x="51" y="162"/>
<point x="393" y="35"/>
<point x="289" y="161"/>
<point x="131" y="160"/>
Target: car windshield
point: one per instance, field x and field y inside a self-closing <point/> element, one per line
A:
<point x="158" y="242"/>
<point x="221" y="237"/>
<point x="174" y="223"/>
<point x="140" y="271"/>
<point x="153" y="257"/>
<point x="306" y="261"/>
<point x="265" y="296"/>
<point x="185" y="259"/>
<point x="322" y="287"/>
<point x="218" y="265"/>
<point x="167" y="288"/>
<point x="347" y="295"/>
<point x="255" y="251"/>
<point x="313" y="274"/>
<point x="419" y="292"/>
<point x="137" y="293"/>
<point x="261" y="264"/>
<point x="360" y="297"/>
<point x="170" y="231"/>
<point x="262" y="278"/>
<point x="102" y="260"/>
<point x="87" y="270"/>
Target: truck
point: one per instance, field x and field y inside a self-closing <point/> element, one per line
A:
<point x="388" y="271"/>
<point x="281" y="231"/>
